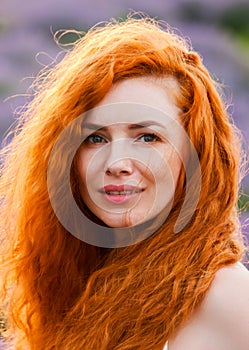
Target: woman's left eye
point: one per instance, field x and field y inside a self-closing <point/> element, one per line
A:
<point x="95" y="139"/>
<point x="149" y="138"/>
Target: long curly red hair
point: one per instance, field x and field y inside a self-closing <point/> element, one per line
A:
<point x="62" y="293"/>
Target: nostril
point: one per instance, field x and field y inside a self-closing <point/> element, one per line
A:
<point x="119" y="169"/>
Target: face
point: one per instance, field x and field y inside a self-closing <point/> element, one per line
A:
<point x="130" y="160"/>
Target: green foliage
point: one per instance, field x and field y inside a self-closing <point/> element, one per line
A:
<point x="193" y="11"/>
<point x="5" y="88"/>
<point x="243" y="202"/>
<point x="4" y="24"/>
<point x="236" y="19"/>
<point x="68" y="37"/>
<point x="2" y="324"/>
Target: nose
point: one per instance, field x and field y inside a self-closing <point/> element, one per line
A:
<point x="118" y="161"/>
<point x="120" y="167"/>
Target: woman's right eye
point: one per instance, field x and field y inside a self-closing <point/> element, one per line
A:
<point x="95" y="139"/>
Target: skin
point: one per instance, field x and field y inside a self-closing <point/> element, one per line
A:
<point x="125" y="151"/>
<point x="222" y="321"/>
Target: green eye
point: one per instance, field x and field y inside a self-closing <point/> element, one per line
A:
<point x="149" y="138"/>
<point x="96" y="139"/>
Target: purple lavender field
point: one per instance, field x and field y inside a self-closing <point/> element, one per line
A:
<point x="218" y="30"/>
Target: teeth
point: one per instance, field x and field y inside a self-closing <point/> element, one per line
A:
<point x="122" y="192"/>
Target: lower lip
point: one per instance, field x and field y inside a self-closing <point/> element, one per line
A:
<point x="120" y="198"/>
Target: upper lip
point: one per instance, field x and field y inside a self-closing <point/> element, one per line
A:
<point x="120" y="188"/>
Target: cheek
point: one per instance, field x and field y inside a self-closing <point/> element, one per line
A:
<point x="82" y="160"/>
<point x="171" y="162"/>
<point x="175" y="164"/>
<point x="90" y="174"/>
<point x="167" y="173"/>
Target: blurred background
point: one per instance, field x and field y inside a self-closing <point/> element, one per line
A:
<point x="218" y="30"/>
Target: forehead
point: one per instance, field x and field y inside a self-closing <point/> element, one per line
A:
<point x="130" y="114"/>
<point x="136" y="100"/>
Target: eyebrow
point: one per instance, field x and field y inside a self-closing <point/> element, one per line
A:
<point x="140" y="125"/>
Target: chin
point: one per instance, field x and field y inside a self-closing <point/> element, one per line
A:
<point x="122" y="222"/>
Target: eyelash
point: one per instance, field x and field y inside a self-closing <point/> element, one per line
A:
<point x="154" y="136"/>
<point x="90" y="138"/>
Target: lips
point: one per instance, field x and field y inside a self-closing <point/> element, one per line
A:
<point x="120" y="194"/>
<point x="120" y="189"/>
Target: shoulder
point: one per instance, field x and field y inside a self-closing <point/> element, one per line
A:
<point x="226" y="308"/>
<point x="223" y="319"/>
<point x="228" y="298"/>
<point x="229" y="295"/>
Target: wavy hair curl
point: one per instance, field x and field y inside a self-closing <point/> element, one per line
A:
<point x="65" y="294"/>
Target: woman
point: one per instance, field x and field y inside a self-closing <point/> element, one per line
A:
<point x="119" y="122"/>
